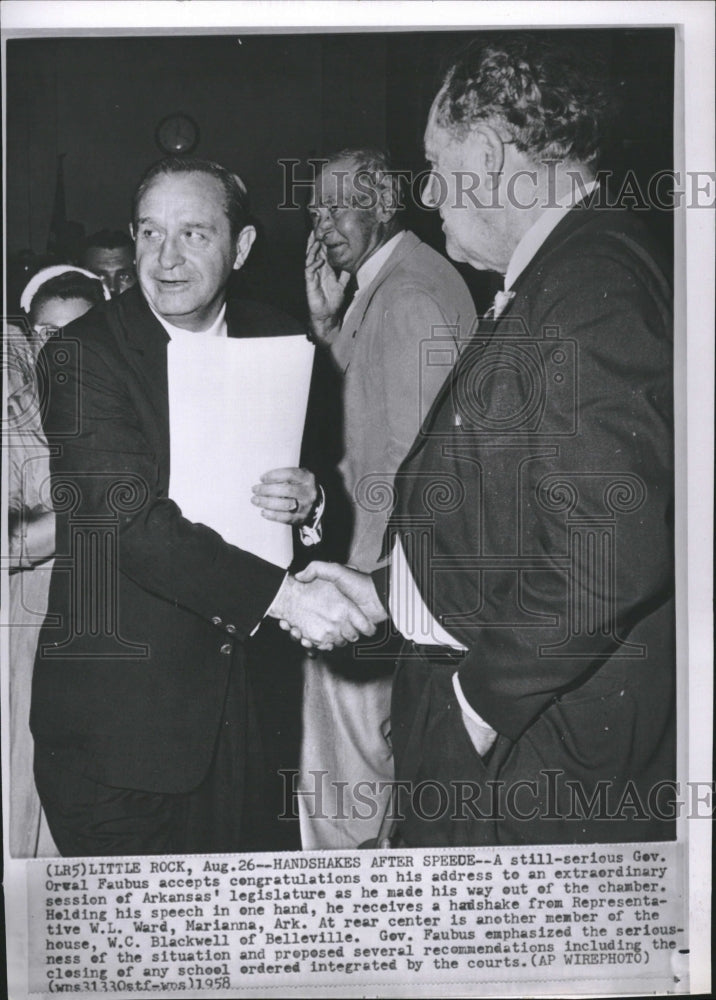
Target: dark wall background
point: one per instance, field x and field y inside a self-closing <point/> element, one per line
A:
<point x="259" y="99"/>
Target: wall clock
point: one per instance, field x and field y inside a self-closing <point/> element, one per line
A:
<point x="177" y="133"/>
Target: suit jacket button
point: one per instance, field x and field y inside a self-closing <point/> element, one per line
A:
<point x="226" y="649"/>
<point x="231" y="629"/>
<point x="216" y="620"/>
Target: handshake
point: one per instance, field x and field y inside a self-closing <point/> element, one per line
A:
<point x="327" y="605"/>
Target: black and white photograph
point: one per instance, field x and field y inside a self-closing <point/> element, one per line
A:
<point x="357" y="480"/>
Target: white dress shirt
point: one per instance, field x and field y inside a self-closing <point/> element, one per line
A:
<point x="370" y="268"/>
<point x="217" y="328"/>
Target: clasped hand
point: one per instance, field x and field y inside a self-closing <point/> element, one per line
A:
<point x="327" y="605"/>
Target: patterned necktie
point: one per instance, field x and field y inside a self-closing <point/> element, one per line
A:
<point x="499" y="304"/>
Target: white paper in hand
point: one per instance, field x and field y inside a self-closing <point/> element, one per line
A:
<point x="236" y="409"/>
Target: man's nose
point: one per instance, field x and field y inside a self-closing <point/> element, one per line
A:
<point x="170" y="252"/>
<point x="322" y="225"/>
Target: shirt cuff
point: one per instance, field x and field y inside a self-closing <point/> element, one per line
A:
<point x="258" y="625"/>
<point x="481" y="734"/>
<point x="311" y="532"/>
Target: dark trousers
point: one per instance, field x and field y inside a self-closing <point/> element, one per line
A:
<point x="585" y="771"/>
<point x="229" y="811"/>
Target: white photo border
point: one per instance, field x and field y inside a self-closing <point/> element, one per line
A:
<point x="694" y="288"/>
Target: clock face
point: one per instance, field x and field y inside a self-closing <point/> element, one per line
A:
<point x="177" y="133"/>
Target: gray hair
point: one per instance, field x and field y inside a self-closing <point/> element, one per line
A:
<point x="372" y="164"/>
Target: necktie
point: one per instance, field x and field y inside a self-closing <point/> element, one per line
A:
<point x="348" y="296"/>
<point x="499" y="304"/>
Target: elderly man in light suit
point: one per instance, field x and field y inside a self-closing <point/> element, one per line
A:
<point x="391" y="312"/>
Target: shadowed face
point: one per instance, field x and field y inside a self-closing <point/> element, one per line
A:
<point x="184" y="249"/>
<point x="114" y="265"/>
<point x="347" y="216"/>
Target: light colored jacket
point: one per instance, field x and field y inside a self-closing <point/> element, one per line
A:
<point x="395" y="349"/>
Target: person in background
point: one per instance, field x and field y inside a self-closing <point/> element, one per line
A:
<point x="383" y="307"/>
<point x="53" y="298"/>
<point x="110" y="255"/>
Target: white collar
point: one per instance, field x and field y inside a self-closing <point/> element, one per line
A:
<point x="536" y="235"/>
<point x="217" y="329"/>
<point x="369" y="268"/>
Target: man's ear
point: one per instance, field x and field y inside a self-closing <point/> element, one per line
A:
<point x="491" y="152"/>
<point x="131" y="231"/>
<point x="244" y="242"/>
<point x="388" y="198"/>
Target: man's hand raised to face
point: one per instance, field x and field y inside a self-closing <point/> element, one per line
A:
<point x="319" y="614"/>
<point x="325" y="292"/>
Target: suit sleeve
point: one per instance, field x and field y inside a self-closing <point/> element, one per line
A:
<point x="616" y="313"/>
<point x="105" y="471"/>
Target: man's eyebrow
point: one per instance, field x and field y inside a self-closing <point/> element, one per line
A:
<point x="209" y="227"/>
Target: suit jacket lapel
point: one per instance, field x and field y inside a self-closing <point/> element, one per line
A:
<point x="364" y="297"/>
<point x="582" y="213"/>
<point x="144" y="341"/>
<point x="564" y="230"/>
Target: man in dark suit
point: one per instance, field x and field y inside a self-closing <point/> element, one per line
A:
<point x="146" y="737"/>
<point x="532" y="544"/>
